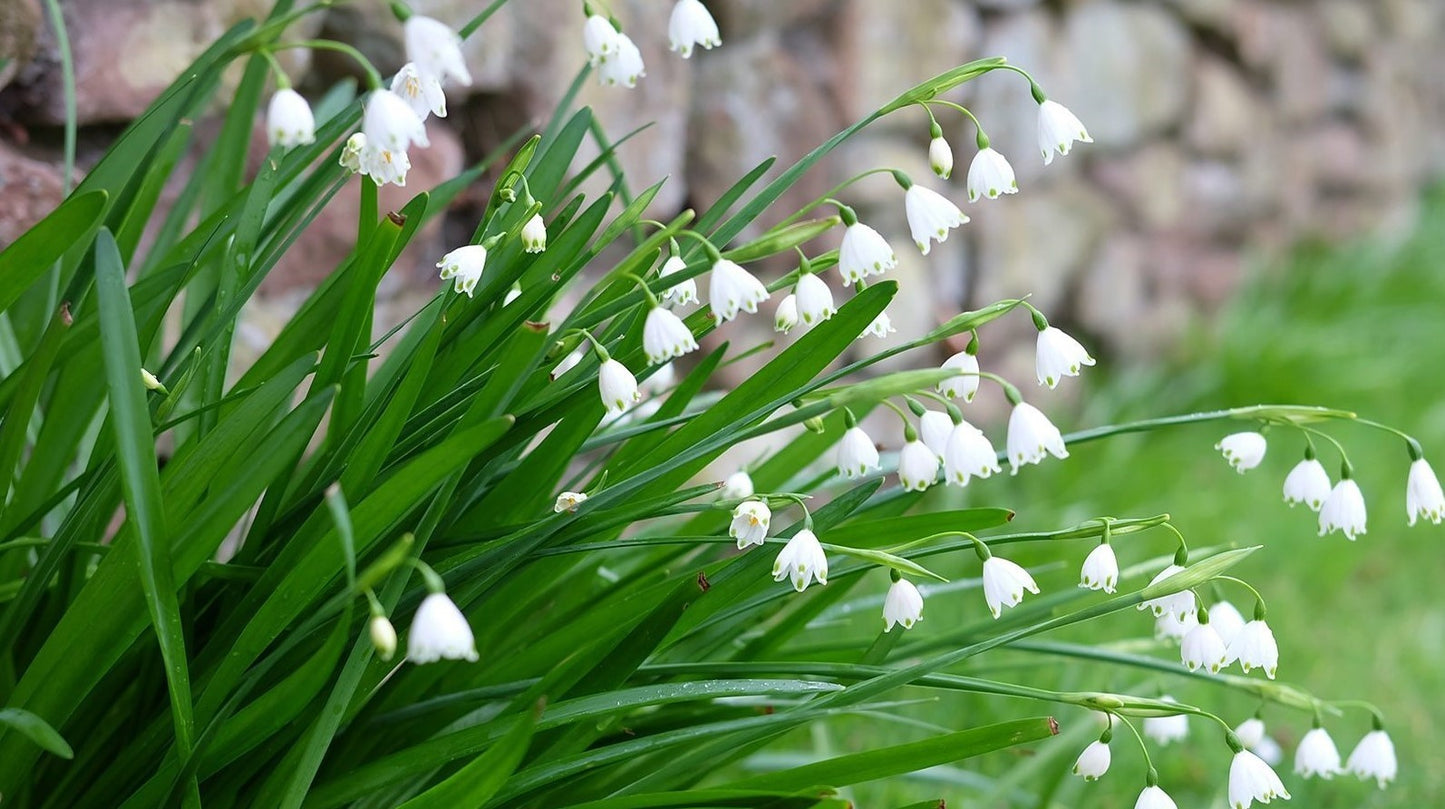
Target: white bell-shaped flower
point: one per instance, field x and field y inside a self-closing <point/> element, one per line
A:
<point x="732" y="289"/>
<point x="1101" y="569"/>
<point x="1316" y="756"/>
<point x="1255" y="647"/>
<point x="390" y="123"/>
<point x="1243" y="451"/>
<point x="1423" y="496"/>
<point x="1374" y="757"/>
<point x="1169" y="626"/>
<point x="660" y="381"/>
<point x="864" y="252"/>
<point x="1250" y="780"/>
<point x="881" y="327"/>
<point x="737" y="486"/>
<point x="289" y="121"/>
<point x="1227" y="621"/>
<point x="917" y="466"/>
<point x="600" y="39"/>
<point x="968" y="454"/>
<point x="857" y="454"/>
<point x="436" y="49"/>
<point x="990" y="175"/>
<point x="750" y="523"/>
<point x="1058" y="355"/>
<point x="802" y="561"/>
<point x="1154" y="798"/>
<point x="680" y="292"/>
<point x="463" y="266"/>
<point x="421" y="91"/>
<point x="786" y="316"/>
<point x="689" y="25"/>
<point x="665" y="336"/>
<point x="383" y="165"/>
<point x="1058" y="129"/>
<point x="1344" y="510"/>
<point x="1251" y="730"/>
<point x="965" y="385"/>
<point x="439" y="632"/>
<point x="940" y="157"/>
<point x="625" y="68"/>
<point x="351" y="153"/>
<point x="814" y="299"/>
<point x="903" y="605"/>
<point x="1307" y="483"/>
<point x="930" y="216"/>
<point x="1202" y="648"/>
<point x="617" y="386"/>
<point x="1167" y="729"/>
<point x="1093" y="762"/>
<point x="383" y="636"/>
<point x="569" y="501"/>
<point x="1032" y="437"/>
<point x="1181" y="604"/>
<point x="534" y="235"/>
<point x="1004" y="584"/>
<point x="934" y="428"/>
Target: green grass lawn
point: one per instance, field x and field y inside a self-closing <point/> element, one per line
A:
<point x="1359" y="328"/>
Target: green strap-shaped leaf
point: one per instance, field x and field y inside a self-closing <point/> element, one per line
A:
<point x="483" y="776"/>
<point x="36" y="730"/>
<point x="30" y="256"/>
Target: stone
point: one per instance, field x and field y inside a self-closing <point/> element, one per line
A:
<point x="31" y="189"/>
<point x="1215" y="15"/>
<point x="1299" y="61"/>
<point x="1227" y="116"/>
<point x="1147" y="181"/>
<point x="1002" y="101"/>
<point x="1131" y="71"/>
<point x="938" y="35"/>
<point x="1349" y="27"/>
<point x="738" y="19"/>
<point x="20" y="26"/>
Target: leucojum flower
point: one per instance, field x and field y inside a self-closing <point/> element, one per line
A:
<point x="439" y="632"/>
<point x="1244" y="451"/>
<point x="617" y="387"/>
<point x="814" y="299"/>
<point x="1250" y="780"/>
<point x="902" y="606"/>
<point x="1344" y="509"/>
<point x="1058" y="355"/>
<point x="1254" y="646"/>
<point x="917" y="466"/>
<point x="934" y="428"/>
<point x="1374" y="757"/>
<point x="1101" y="569"/>
<point x="969" y="454"/>
<point x="732" y="289"/>
<point x="422" y="91"/>
<point x="680" y="292"/>
<point x="1004" y="583"/>
<point x="930" y="214"/>
<point x="289" y="121"/>
<point x="737" y="486"/>
<point x="856" y="452"/>
<point x="1307" y="483"/>
<point x="689" y="25"/>
<point x="1316" y="756"/>
<point x="1094" y="761"/>
<point x="750" y="523"/>
<point x="383" y="636"/>
<point x="880" y="327"/>
<point x="1202" y="648"/>
<point x="802" y="561"/>
<point x="463" y="266"/>
<point x="1058" y="129"/>
<point x="534" y="235"/>
<point x="786" y="316"/>
<point x="625" y="67"/>
<point x="568" y="501"/>
<point x="864" y="251"/>
<point x="1423" y="496"/>
<point x="665" y="336"/>
<point x="965" y="385"/>
<point x="989" y="175"/>
<point x="1154" y="798"/>
<point x="1181" y="604"/>
<point x="1032" y="437"/>
<point x="940" y="154"/>
<point x="435" y="49"/>
<point x="1167" y="729"/>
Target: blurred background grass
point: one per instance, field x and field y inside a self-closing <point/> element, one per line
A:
<point x="1359" y="327"/>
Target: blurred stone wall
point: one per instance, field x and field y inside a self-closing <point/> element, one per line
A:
<point x="1224" y="129"/>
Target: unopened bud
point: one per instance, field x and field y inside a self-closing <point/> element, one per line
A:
<point x="383" y="636"/>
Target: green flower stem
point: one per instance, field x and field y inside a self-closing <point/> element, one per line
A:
<point x="434" y="583"/>
<point x="602" y="354"/>
<point x="474" y="23"/>
<point x="1340" y="448"/>
<point x="713" y="254"/>
<point x="1376" y="715"/>
<point x="909" y="433"/>
<point x="1152" y="775"/>
<point x="1259" y="606"/>
<point x="373" y="76"/>
<point x="283" y="82"/>
<point x="825" y="199"/>
<point x="965" y="110"/>
<point x="1181" y="556"/>
<point x="642" y="284"/>
<point x="1010" y="391"/>
<point x="1411" y="445"/>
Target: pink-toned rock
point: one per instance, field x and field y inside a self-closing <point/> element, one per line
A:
<point x="31" y="190"/>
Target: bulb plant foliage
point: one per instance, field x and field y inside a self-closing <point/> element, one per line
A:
<point x="484" y="560"/>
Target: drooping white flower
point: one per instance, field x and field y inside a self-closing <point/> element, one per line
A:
<point x="917" y="466"/>
<point x="1307" y="483"/>
<point x="786" y="317"/>
<point x="382" y="165"/>
<point x="350" y="158"/>
<point x="903" y="605"/>
<point x="1316" y="756"/>
<point x="1170" y="627"/>
<point x="436" y="49"/>
<point x="289" y="121"/>
<point x="624" y="68"/>
<point x="738" y="485"/>
<point x="814" y="299"/>
<point x="1227" y="621"/>
<point x="802" y="560"/>
<point x="659" y="381"/>
<point x="1243" y="450"/>
<point x="1004" y="584"/>
<point x="464" y="267"/>
<point x="990" y="175"/>
<point x="1270" y="751"/>
<point x="930" y="216"/>
<point x="569" y="501"/>
<point x="680" y="292"/>
<point x="966" y="383"/>
<point x="881" y="327"/>
<point x="1255" y="646"/>
<point x="421" y="91"/>
<point x="534" y="235"/>
<point x="569" y="362"/>
<point x="391" y="124"/>
<point x="617" y="386"/>
<point x="439" y="632"/>
<point x="1058" y="129"/>
<point x="1093" y="762"/>
<point x="1058" y="355"/>
<point x="383" y="636"/>
<point x="665" y="336"/>
<point x="732" y="289"/>
<point x="750" y="523"/>
<point x="856" y="454"/>
<point x="1181" y="604"/>
<point x="1154" y="798"/>
<point x="1167" y="729"/>
<point x="1374" y="757"/>
<point x="1251" y="730"/>
<point x="1101" y="569"/>
<point x="968" y="454"/>
<point x="600" y="39"/>
<point x="940" y="157"/>
<point x="1250" y="780"/>
<point x="1423" y="495"/>
<point x="1032" y="437"/>
<point x="1203" y="648"/>
<point x="864" y="252"/>
<point x="1344" y="510"/>
<point x="934" y="428"/>
<point x="691" y="24"/>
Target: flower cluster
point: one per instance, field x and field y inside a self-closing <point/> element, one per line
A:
<point x="617" y="59"/>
